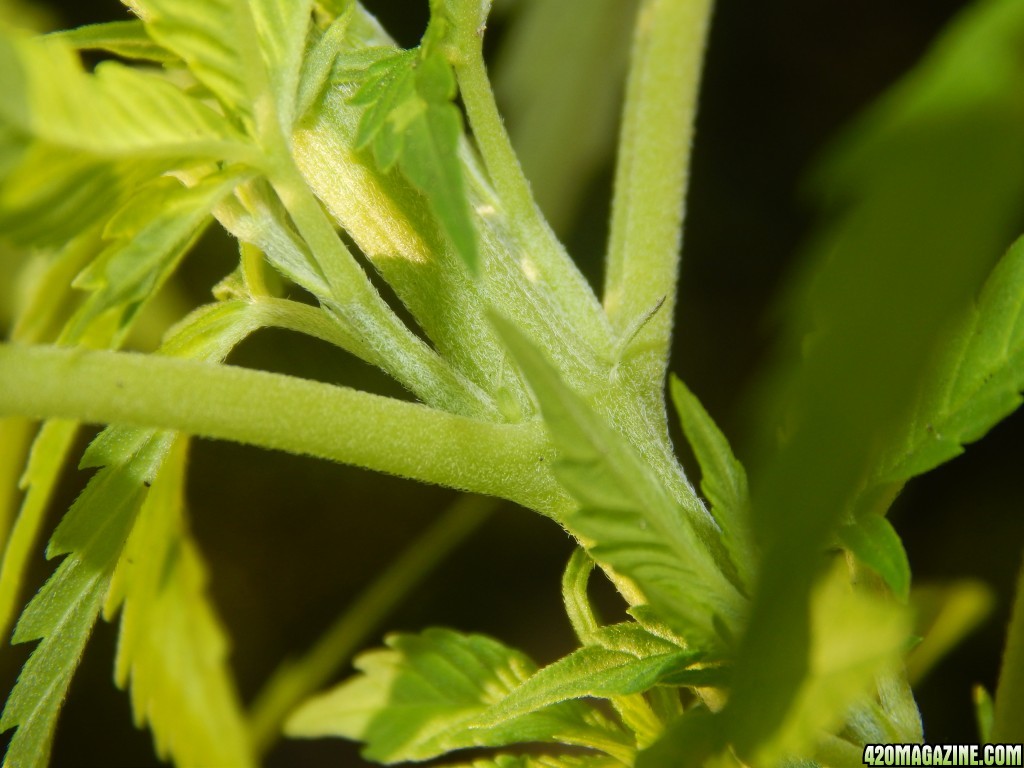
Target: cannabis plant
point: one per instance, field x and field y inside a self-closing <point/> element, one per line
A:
<point x="379" y="206"/>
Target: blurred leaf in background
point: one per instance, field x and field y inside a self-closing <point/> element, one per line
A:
<point x="922" y="195"/>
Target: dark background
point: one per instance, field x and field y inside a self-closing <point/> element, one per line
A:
<point x="291" y="541"/>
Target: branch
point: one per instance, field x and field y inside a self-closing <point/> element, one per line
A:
<point x="284" y="413"/>
<point x="650" y="180"/>
<point x="554" y="266"/>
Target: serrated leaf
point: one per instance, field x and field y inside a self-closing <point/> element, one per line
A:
<point x="41" y="320"/>
<point x="430" y="161"/>
<point x="634" y="639"/>
<point x="357" y="67"/>
<point x="39" y="480"/>
<point x="626" y="519"/>
<point x="389" y="94"/>
<point x="93" y="534"/>
<point x="150" y="235"/>
<point x="115" y="111"/>
<point x="723" y="480"/>
<point x="874" y="542"/>
<point x="591" y="671"/>
<point x="376" y="68"/>
<point x="127" y="39"/>
<point x="55" y="438"/>
<point x="264" y="49"/>
<point x="319" y="62"/>
<point x="417" y="699"/>
<point x="53" y="194"/>
<point x="943" y="141"/>
<point x="172" y="648"/>
<point x="82" y="142"/>
<point x="282" y="26"/>
<point x="62" y="615"/>
<point x="216" y="38"/>
<point x="639" y="641"/>
<point x="410" y="121"/>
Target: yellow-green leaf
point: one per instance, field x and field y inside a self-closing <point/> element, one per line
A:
<point x="116" y="111"/>
<point x="591" y="671"/>
<point x="149" y="236"/>
<point x="414" y="701"/>
<point x="62" y="615"/>
<point x="172" y="649"/>
<point x="626" y="519"/>
<point x="127" y="39"/>
<point x="723" y="480"/>
<point x="260" y="58"/>
<point x="410" y="120"/>
<point x="876" y="544"/>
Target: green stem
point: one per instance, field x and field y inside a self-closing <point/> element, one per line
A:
<point x="283" y="413"/>
<point x="575" y="580"/>
<point x="559" y="76"/>
<point x="491" y="137"/>
<point x="1008" y="724"/>
<point x="295" y="680"/>
<point x="344" y="276"/>
<point x="311" y="321"/>
<point x="253" y="271"/>
<point x="525" y="219"/>
<point x="395" y="348"/>
<point x="650" y="180"/>
<point x="634" y="710"/>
